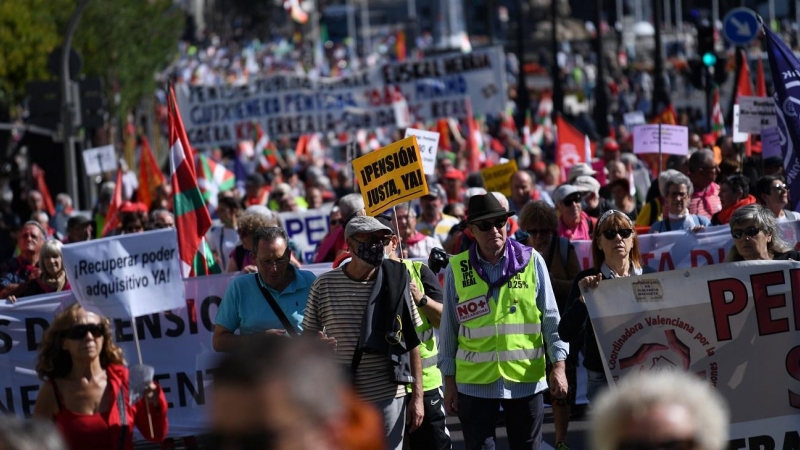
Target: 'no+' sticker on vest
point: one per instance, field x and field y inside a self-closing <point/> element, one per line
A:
<point x="477" y="307"/>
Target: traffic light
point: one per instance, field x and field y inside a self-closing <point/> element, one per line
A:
<point x="705" y="45"/>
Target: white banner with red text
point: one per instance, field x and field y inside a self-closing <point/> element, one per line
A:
<point x="735" y="325"/>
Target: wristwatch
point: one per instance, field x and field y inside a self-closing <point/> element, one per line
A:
<point x="423" y="301"/>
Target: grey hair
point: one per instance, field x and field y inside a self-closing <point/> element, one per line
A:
<point x="765" y="221"/>
<point x="64" y="198"/>
<point x="269" y="234"/>
<point x="662" y="180"/>
<point x="37" y="225"/>
<point x="156" y="212"/>
<point x="405" y="206"/>
<point x="677" y="180"/>
<point x="33" y="434"/>
<point x="501" y="198"/>
<point x="628" y="159"/>
<point x="349" y="205"/>
<point x="639" y="393"/>
<point x="49" y="248"/>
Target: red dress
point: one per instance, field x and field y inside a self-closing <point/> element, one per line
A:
<point x="104" y="431"/>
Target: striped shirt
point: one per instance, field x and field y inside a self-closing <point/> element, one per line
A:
<point x="337" y="303"/>
<point x="706" y="202"/>
<point x="448" y="331"/>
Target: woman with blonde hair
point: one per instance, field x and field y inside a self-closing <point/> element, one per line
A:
<point x="615" y="250"/>
<point x="85" y="389"/>
<point x="52" y="278"/>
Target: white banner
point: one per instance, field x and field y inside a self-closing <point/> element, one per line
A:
<point x="683" y="249"/>
<point x="307" y="229"/>
<point x="756" y="113"/>
<point x="129" y="275"/>
<point x="291" y="105"/>
<point x="735" y="325"/>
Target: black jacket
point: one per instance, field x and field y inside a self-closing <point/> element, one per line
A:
<point x="575" y="326"/>
<point x="388" y="324"/>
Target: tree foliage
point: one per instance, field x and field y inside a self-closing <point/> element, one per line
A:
<point x="124" y="42"/>
<point x="27" y="36"/>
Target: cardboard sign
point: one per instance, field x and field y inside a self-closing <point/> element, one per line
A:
<point x="99" y="160"/>
<point x="712" y="322"/>
<point x="770" y="142"/>
<point x="391" y="175"/>
<point x="633" y="119"/>
<point x="738" y="136"/>
<point x="674" y="139"/>
<point x="756" y="113"/>
<point x="428" y="142"/>
<point x="498" y="177"/>
<point x="128" y="275"/>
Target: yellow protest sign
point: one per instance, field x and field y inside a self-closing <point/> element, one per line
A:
<point x="391" y="175"/>
<point x="498" y="178"/>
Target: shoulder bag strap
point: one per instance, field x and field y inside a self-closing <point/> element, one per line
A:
<point x="123" y="418"/>
<point x="276" y="309"/>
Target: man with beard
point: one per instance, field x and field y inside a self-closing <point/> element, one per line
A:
<point x="351" y="307"/>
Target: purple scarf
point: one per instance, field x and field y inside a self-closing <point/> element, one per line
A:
<point x="517" y="257"/>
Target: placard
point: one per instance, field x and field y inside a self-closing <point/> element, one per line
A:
<point x="498" y="177"/>
<point x="428" y="142"/>
<point x="738" y="135"/>
<point x="756" y="113"/>
<point x="391" y="175"/>
<point x="98" y="160"/>
<point x="633" y="119"/>
<point x="770" y="142"/>
<point x="674" y="139"/>
<point x="307" y="229"/>
<point x="126" y="276"/>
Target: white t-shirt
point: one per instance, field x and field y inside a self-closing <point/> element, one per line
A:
<point x="224" y="237"/>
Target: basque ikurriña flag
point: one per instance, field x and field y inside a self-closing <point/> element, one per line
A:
<point x="786" y="79"/>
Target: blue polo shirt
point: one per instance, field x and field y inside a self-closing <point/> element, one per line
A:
<point x="244" y="307"/>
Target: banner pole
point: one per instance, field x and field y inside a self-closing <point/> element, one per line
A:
<point x="660" y="156"/>
<point x="139" y="353"/>
<point x="397" y="227"/>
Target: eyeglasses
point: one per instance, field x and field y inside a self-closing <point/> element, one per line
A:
<point x="569" y="201"/>
<point x="674" y="194"/>
<point x="673" y="444"/>
<point x="486" y="226"/>
<point x="780" y="188"/>
<point x="749" y="231"/>
<point x="79" y="331"/>
<point x="610" y="234"/>
<point x="278" y="263"/>
<point x="713" y="168"/>
<point x="335" y="222"/>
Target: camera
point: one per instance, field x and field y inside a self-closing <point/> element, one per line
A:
<point x="438" y="260"/>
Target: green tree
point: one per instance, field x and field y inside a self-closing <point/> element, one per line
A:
<point x="27" y="36"/>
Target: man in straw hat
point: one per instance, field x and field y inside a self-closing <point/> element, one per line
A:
<point x="499" y="316"/>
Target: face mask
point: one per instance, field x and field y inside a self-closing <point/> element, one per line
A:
<point x="371" y="252"/>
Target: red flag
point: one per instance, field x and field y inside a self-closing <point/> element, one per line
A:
<point x="150" y="175"/>
<point x="570" y="145"/>
<point x="41" y="186"/>
<point x="667" y="116"/>
<point x="717" y="121"/>
<point x="112" y="216"/>
<point x="400" y="46"/>
<point x="192" y="220"/>
<point x="473" y="146"/>
<point x="761" y="84"/>
<point x="744" y="86"/>
<point x="444" y="134"/>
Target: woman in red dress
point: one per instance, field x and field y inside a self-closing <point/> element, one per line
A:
<point x="85" y="389"/>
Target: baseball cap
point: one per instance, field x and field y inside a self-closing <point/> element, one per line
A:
<point x="587" y="183"/>
<point x="365" y="224"/>
<point x="564" y="191"/>
<point x="580" y="169"/>
<point x="454" y="174"/>
<point x="77" y="220"/>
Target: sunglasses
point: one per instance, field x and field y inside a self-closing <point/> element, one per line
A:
<point x="486" y="226"/>
<point x="780" y="188"/>
<point x="335" y="222"/>
<point x="674" y="444"/>
<point x="572" y="199"/>
<point x="749" y="231"/>
<point x="79" y="331"/>
<point x="625" y="233"/>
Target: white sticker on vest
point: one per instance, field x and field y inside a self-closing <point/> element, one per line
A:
<point x="471" y="309"/>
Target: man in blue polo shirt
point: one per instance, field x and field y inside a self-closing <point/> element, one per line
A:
<point x="246" y="307"/>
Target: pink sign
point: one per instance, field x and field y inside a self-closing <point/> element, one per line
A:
<point x="674" y="139"/>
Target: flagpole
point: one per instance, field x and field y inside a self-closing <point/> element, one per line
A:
<point x="139" y="352"/>
<point x="660" y="157"/>
<point x="397" y="227"/>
